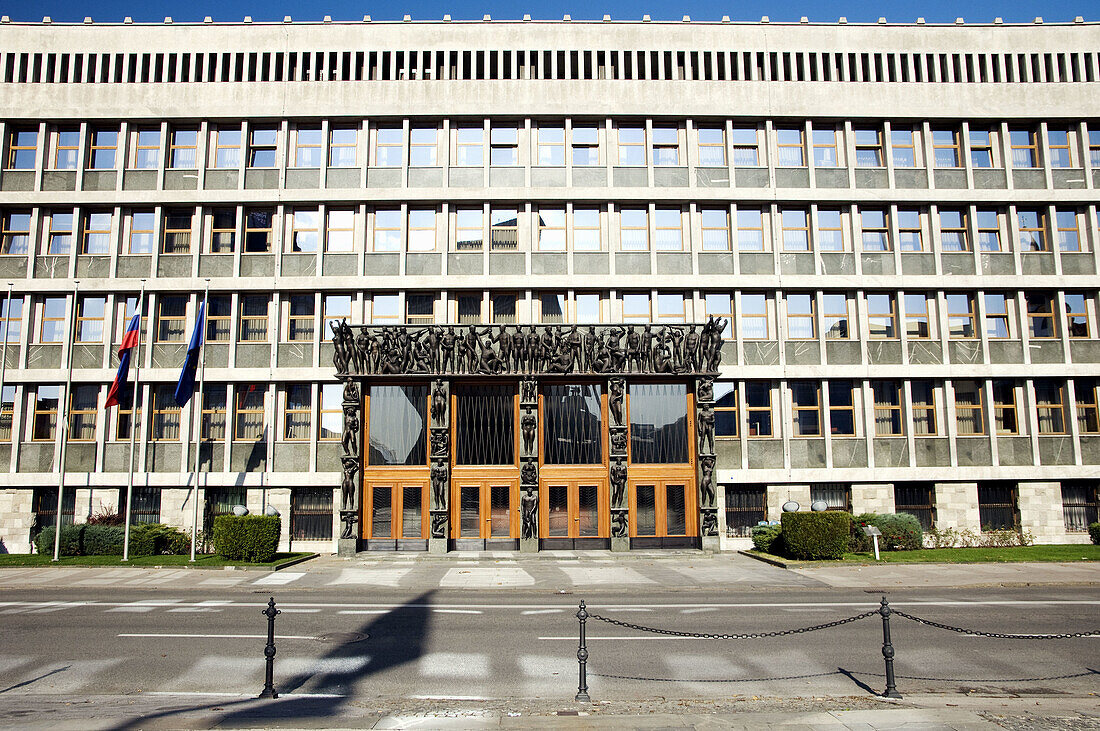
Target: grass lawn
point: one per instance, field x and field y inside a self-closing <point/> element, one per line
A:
<point x="202" y="560"/>
<point x="1065" y="553"/>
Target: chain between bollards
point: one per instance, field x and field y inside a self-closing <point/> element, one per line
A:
<point x="888" y="651"/>
<point x="269" y="652"/>
<point x="582" y="659"/>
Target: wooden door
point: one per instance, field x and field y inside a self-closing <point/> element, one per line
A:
<point x="395" y="509"/>
<point x="573" y="509"/>
<point x="483" y="509"/>
<point x="660" y="509"/>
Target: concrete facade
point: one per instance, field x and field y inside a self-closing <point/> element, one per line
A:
<point x="884" y="211"/>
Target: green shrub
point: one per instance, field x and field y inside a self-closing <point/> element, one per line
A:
<point x="1094" y="533"/>
<point x="252" y="538"/>
<point x="158" y="539"/>
<point x="817" y="536"/>
<point x="83" y="540"/>
<point x="768" y="538"/>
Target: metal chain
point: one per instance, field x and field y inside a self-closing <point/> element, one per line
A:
<point x="743" y="636"/>
<point x="995" y="635"/>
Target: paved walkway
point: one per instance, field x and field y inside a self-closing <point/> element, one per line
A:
<point x="562" y="571"/>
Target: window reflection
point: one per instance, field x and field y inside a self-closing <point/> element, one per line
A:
<point x="658" y="423"/>
<point x="574" y="424"/>
<point x="397" y="420"/>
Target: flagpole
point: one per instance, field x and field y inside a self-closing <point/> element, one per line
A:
<point x="63" y="428"/>
<point x="134" y="426"/>
<point x="198" y="432"/>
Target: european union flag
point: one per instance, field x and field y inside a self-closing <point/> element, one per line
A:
<point x="186" y="387"/>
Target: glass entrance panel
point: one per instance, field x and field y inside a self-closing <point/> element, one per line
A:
<point x="381" y="512"/>
<point x="573" y="424"/>
<point x="675" y="511"/>
<point x="411" y="515"/>
<point x="470" y="511"/>
<point x="645" y="514"/>
<point x="588" y="514"/>
<point x="485" y="425"/>
<point x="558" y="511"/>
<point x="658" y="423"/>
<point x="397" y="433"/>
<point x="500" y="511"/>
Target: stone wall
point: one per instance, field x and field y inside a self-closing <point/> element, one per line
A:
<point x="16" y="516"/>
<point x="957" y="505"/>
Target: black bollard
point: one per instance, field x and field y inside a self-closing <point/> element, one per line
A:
<point x="582" y="659"/>
<point x="888" y="651"/>
<point x="269" y="652"/>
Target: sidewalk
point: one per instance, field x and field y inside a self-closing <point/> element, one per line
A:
<point x="894" y="576"/>
<point x="963" y="713"/>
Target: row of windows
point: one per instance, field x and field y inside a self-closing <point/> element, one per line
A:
<point x="757" y="409"/>
<point x="750" y="315"/>
<point x="559" y="227"/>
<point x="103" y="68"/>
<point x="998" y="508"/>
<point x="579" y="143"/>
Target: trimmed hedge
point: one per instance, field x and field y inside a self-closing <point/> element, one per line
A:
<point x="1094" y="533"/>
<point x="83" y="540"/>
<point x="815" y="536"/>
<point x="252" y="538"/>
<point x="768" y="538"/>
<point x="158" y="539"/>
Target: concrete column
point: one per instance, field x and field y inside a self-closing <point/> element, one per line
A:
<point x="279" y="498"/>
<point x="957" y="505"/>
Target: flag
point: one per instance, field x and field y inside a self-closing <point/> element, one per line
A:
<point x="117" y="393"/>
<point x="186" y="387"/>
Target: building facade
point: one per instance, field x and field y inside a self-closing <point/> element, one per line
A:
<point x="896" y="227"/>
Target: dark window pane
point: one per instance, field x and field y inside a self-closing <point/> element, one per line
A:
<point x="658" y="423"/>
<point x="558" y="511"/>
<point x="645" y="518"/>
<point x="675" y="511"/>
<point x="574" y="424"/>
<point x="470" y="511"/>
<point x="397" y="425"/>
<point x="588" y="511"/>
<point x="485" y="425"/>
<point x="381" y="512"/>
<point x="500" y="514"/>
<point x="745" y="507"/>
<point x="997" y="507"/>
<point x="311" y="514"/>
<point x="411" y="522"/>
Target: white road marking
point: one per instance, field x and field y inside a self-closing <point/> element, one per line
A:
<point x="485" y="577"/>
<point x="135" y="610"/>
<point x="364" y="611"/>
<point x="457" y="611"/>
<point x="279" y="578"/>
<point x="603" y="575"/>
<point x="220" y="637"/>
<point x="371" y="577"/>
<point x="698" y="610"/>
<point x="465" y="665"/>
<point x="300" y="611"/>
<point x="542" y="611"/>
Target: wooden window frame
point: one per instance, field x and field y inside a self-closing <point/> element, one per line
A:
<point x="939" y="146"/>
<point x="741" y="145"/>
<point x="924" y="410"/>
<point x="626" y="149"/>
<point x="1006" y="417"/>
<point x="293" y="410"/>
<point x="800" y="318"/>
<point x="166" y="415"/>
<point x="836" y="387"/>
<point x="711" y="148"/>
<point x="1035" y="315"/>
<point x="970" y="409"/>
<point x="38" y="414"/>
<point x="164" y="321"/>
<point x="340" y="230"/>
<point x="882" y="325"/>
<point x="890" y="408"/>
<point x="1054" y="409"/>
<point x="300" y="224"/>
<point x="338" y="148"/>
<point x="96" y="145"/>
<point x="910" y="146"/>
<point x="549" y="139"/>
<point x="758" y="229"/>
<point x="82" y="318"/>
<point x="1073" y="315"/>
<point x="240" y="412"/>
<point x="177" y="149"/>
<point x="864" y="147"/>
<point x="219" y="230"/>
<point x="798" y="408"/>
<point x="963" y="318"/>
<point x="249" y="323"/>
<point x="171" y="236"/>
<point x="225" y="154"/>
<point x="309" y="148"/>
<point x="624" y="228"/>
<point x="1030" y="148"/>
<point x="830" y="317"/>
<point x="959" y="232"/>
<point x="83" y="419"/>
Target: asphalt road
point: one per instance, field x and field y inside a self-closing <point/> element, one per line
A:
<point x="520" y="644"/>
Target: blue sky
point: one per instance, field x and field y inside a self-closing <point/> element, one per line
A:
<point x="976" y="11"/>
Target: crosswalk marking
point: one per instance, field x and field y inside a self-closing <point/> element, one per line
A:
<point x="467" y="665"/>
<point x="372" y="577"/>
<point x="602" y="575"/>
<point x="279" y="578"/>
<point x="483" y="577"/>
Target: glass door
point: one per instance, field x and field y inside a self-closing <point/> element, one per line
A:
<point x="484" y="510"/>
<point x="659" y="509"/>
<point x="572" y="510"/>
<point x="469" y="525"/>
<point x="395" y="510"/>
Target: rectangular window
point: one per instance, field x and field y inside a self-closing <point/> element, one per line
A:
<point x="469" y="232"/>
<point x="249" y="413"/>
<point x="66" y="148"/>
<point x="470" y="146"/>
<point x="422" y="146"/>
<point x="805" y="408"/>
<point x="387" y="229"/>
<point x="881" y="316"/>
<point x="1004" y="407"/>
<point x="1040" y="315"/>
<point x="502" y="308"/>
<point x="834" y="495"/>
<point x="671" y="307"/>
<point x="11" y="319"/>
<point x="633" y="229"/>
<point x="960" y="316"/>
<point x="171" y="318"/>
<point x="336" y="307"/>
<point x="746" y="147"/>
<point x="227" y="147"/>
<point x="484" y="424"/>
<point x="989" y="230"/>
<point x="297" y="407"/>
<point x="183" y="149"/>
<point x="551" y="229"/>
<point x="503" y="229"/>
<point x="953" y="235"/>
<point x="753" y="321"/>
<point x="868" y="143"/>
<point x="903" y="148"/>
<point x="223" y="230"/>
<point x="830" y="231"/>
<point x="1080" y="506"/>
<point x="924" y="408"/>
<point x="997" y="507"/>
<point x="725" y="410"/>
<point x="257" y="231"/>
<point x="842" y="412"/>
<point x="311" y="514"/>
<point x="745" y="508"/>
<point x="968" y="408"/>
<point x="945" y="148"/>
<point x="825" y="148"/>
<point x="1033" y="236"/>
<point x="16" y="233"/>
<point x="666" y="146"/>
<point x="834" y="316"/>
<point x="1094" y="147"/>
<point x="83" y="409"/>
<point x="916" y="499"/>
<point x="586" y="230"/>
<point x="89" y="319"/>
<point x="7" y="412"/>
<point x="1077" y="315"/>
<point x="1088" y="406"/>
<point x="791" y="148"/>
<point x="658" y="423"/>
<point x="796" y="230"/>
<point x="469" y="309"/>
<point x="503" y="146"/>
<point x="750" y="229"/>
<point x="720" y="305"/>
<point x="1050" y="404"/>
<point x="59" y="237"/>
<point x="300" y="318"/>
<point x="145" y="506"/>
<point x="712" y="147"/>
<point x="888" y="421"/>
<point x="342" y="145"/>
<point x="103" y="149"/>
<point x="176" y="238"/>
<point x="585" y="141"/>
<point x="421" y="229"/>
<point x="146" y="155"/>
<point x="917" y="321"/>
<point x="165" y="425"/>
<point x="262" y="147"/>
<point x="53" y="321"/>
<point x="875" y="234"/>
<point x="308" y="147"/>
<point x="668" y="229"/>
<point x="587" y="308"/>
<point x="253" y="318"/>
<point x="44" y="418"/>
<point x="910" y="230"/>
<point x="996" y="316"/>
<point x="1025" y="150"/>
<point x="800" y="317"/>
<point x="631" y="146"/>
<point x="339" y="230"/>
<point x="304" y="231"/>
<point x="551" y="146"/>
<point x="331" y="425"/>
<point x="981" y="148"/>
<point x="636" y="307"/>
<point x="219" y="319"/>
<point x="758" y="408"/>
<point x="1066" y="231"/>
<point x="22" y="149"/>
<point x="715" y="223"/>
<point x="573" y="424"/>
<point x="420" y="309"/>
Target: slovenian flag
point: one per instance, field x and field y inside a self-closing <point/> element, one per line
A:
<point x="118" y="392"/>
<point x="186" y="387"/>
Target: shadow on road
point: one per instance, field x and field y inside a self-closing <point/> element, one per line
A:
<point x="35" y="680"/>
<point x="395" y="638"/>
